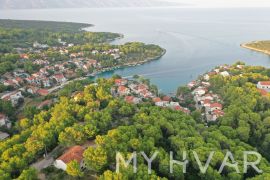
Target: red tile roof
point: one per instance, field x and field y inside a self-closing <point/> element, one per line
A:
<point x="43" y="92"/>
<point x="206" y="101"/>
<point x="59" y="76"/>
<point x="74" y="153"/>
<point x="265" y="83"/>
<point x="218" y="113"/>
<point x="156" y="99"/>
<point x="166" y="98"/>
<point x="122" y="88"/>
<point x="120" y="81"/>
<point x="129" y="99"/>
<point x="216" y="105"/>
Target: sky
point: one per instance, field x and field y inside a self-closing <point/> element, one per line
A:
<point x="226" y="3"/>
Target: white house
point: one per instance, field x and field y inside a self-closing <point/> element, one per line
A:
<point x="206" y="77"/>
<point x="74" y="153"/>
<point x="13" y="97"/>
<point x="225" y="74"/>
<point x="199" y="91"/>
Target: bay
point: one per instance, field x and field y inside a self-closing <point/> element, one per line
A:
<point x="196" y="39"/>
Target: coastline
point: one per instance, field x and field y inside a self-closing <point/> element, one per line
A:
<point x="246" y="45"/>
<point x="56" y="88"/>
<point x="129" y="64"/>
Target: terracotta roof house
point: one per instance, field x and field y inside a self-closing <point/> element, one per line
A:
<point x="43" y="92"/>
<point x="122" y="90"/>
<point x="264" y="85"/>
<point x="132" y="99"/>
<point x="120" y="82"/>
<point x="156" y="99"/>
<point x="74" y="153"/>
<point x="215" y="106"/>
<point x="60" y="78"/>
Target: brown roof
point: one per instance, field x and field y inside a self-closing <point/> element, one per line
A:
<point x="74" y="153"/>
<point x="166" y="98"/>
<point x="129" y="99"/>
<point x="156" y="99"/>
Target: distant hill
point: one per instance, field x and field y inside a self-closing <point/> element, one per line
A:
<point x="43" y="25"/>
<point x="37" y="4"/>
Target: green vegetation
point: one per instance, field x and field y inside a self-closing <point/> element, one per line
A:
<point x="263" y="46"/>
<point x="118" y="126"/>
<point x="43" y="25"/>
<point x="246" y="111"/>
<point x="18" y="37"/>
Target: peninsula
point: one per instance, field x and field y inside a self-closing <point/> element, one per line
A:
<point x="259" y="46"/>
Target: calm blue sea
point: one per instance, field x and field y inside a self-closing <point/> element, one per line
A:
<point x="196" y="40"/>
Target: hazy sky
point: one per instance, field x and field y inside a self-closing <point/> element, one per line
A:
<point x="226" y="3"/>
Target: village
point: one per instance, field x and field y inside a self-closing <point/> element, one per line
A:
<point x="134" y="91"/>
<point x="49" y="77"/>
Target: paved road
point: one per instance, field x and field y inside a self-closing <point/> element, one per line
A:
<point x="44" y="163"/>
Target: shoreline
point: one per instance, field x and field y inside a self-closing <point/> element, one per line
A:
<point x="246" y="45"/>
<point x="56" y="88"/>
<point x="129" y="64"/>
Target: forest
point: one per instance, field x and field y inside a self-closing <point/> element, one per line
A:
<point x="117" y="126"/>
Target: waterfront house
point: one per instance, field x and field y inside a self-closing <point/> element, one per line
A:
<point x="75" y="153"/>
<point x="191" y="84"/>
<point x="199" y="91"/>
<point x="206" y="77"/>
<point x="225" y="74"/>
<point x="120" y="82"/>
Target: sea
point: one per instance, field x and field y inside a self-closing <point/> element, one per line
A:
<point x="196" y="39"/>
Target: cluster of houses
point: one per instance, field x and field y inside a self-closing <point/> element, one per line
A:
<point x="51" y="75"/>
<point x="135" y="92"/>
<point x="208" y="103"/>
